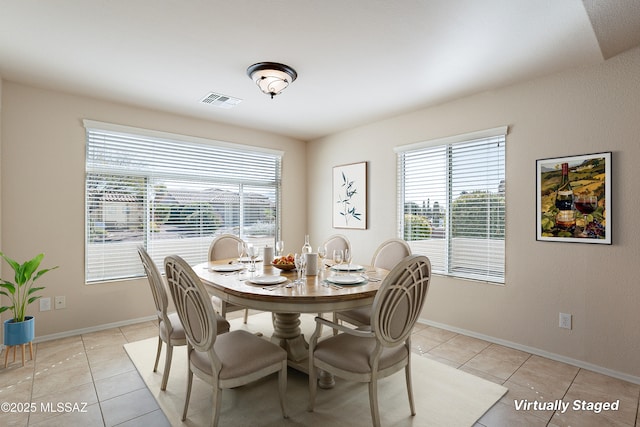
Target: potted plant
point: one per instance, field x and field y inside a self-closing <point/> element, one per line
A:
<point x="21" y="328"/>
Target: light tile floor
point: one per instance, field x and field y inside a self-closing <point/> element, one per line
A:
<point x="94" y="375"/>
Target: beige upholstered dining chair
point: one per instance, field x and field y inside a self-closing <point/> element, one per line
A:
<point x="336" y="241"/>
<point x="387" y="256"/>
<point x="366" y="355"/>
<point x="170" y="329"/>
<point x="225" y="246"/>
<point x="224" y="361"/>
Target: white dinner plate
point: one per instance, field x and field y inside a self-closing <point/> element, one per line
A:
<point x="226" y="268"/>
<point x="268" y="280"/>
<point x="347" y="279"/>
<point x="345" y="267"/>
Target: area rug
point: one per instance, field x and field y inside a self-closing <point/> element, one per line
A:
<point x="444" y="396"/>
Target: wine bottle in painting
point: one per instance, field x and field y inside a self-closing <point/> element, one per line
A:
<point x="565" y="219"/>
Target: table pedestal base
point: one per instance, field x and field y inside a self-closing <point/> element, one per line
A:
<point x="288" y="335"/>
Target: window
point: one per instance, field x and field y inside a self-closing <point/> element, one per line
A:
<point x="172" y="194"/>
<point x="451" y="204"/>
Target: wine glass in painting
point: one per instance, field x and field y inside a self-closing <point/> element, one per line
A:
<point x="585" y="205"/>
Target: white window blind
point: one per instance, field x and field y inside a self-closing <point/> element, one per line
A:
<point x="451" y="204"/>
<point x="173" y="195"/>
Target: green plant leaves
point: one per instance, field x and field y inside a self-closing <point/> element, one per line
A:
<point x="25" y="275"/>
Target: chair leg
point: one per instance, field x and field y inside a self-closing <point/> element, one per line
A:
<point x="407" y="371"/>
<point x="155" y="367"/>
<point x="186" y="399"/>
<point x="373" y="402"/>
<point x="246" y="315"/>
<point x="216" y="401"/>
<point x="335" y="320"/>
<point x="167" y="367"/>
<point x="282" y="381"/>
<point x="320" y="325"/>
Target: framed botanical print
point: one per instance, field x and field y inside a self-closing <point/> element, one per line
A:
<point x="350" y="196"/>
<point x="574" y="199"/>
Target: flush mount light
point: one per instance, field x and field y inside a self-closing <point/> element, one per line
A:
<point x="271" y="77"/>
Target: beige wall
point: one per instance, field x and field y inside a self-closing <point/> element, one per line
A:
<point x="42" y="195"/>
<point x="581" y="111"/>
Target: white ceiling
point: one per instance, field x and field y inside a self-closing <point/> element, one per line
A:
<point x="357" y="60"/>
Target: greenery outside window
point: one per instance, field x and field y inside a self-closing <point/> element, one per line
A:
<point x="172" y="194"/>
<point x="452" y="203"/>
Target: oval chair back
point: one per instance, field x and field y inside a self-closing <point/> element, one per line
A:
<point x="224" y="246"/>
<point x="192" y="303"/>
<point x="156" y="284"/>
<point x="390" y="253"/>
<point x="400" y="299"/>
<point x="336" y="241"/>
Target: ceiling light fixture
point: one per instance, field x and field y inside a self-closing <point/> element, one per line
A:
<point x="271" y="77"/>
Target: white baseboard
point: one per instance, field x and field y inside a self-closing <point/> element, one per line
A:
<point x="557" y="357"/>
<point x="97" y="328"/>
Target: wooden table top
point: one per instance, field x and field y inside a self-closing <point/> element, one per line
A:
<point x="311" y="297"/>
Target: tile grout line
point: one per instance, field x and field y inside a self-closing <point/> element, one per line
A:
<point x="518" y="368"/>
<point x="565" y="393"/>
<point x="93" y="380"/>
<point x="33" y="379"/>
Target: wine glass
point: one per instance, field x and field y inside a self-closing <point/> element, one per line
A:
<point x="348" y="256"/>
<point x="337" y="256"/>
<point x="253" y="252"/>
<point x="242" y="250"/>
<point x="300" y="261"/>
<point x="279" y="247"/>
<point x="322" y="254"/>
<point x="585" y="204"/>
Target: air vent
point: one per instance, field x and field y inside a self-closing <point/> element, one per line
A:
<point x="220" y="101"/>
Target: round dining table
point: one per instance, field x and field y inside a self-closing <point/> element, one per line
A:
<point x="317" y="294"/>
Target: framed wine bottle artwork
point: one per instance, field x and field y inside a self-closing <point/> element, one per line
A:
<point x="574" y="199"/>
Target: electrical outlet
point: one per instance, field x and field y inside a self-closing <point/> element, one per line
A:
<point x="565" y="321"/>
<point x="45" y="304"/>
<point x="60" y="303"/>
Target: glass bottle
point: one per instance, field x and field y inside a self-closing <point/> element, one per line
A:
<point x="565" y="219"/>
<point x="306" y="248"/>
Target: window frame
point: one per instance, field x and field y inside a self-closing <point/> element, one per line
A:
<point x="143" y="172"/>
<point x="443" y="264"/>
